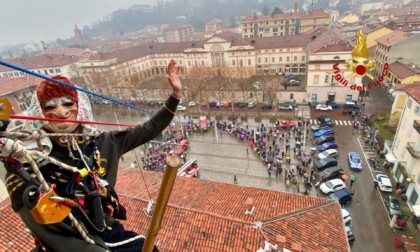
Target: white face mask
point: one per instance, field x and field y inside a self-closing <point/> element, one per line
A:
<point x="61" y="108"/>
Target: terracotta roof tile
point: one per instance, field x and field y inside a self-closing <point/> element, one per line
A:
<point x="393" y="38"/>
<point x="210" y="216"/>
<point x="412" y="89"/>
<point x="40" y="61"/>
<point x="371" y="28"/>
<point x="340" y="46"/>
<point x="281" y="41"/>
<point x="9" y="85"/>
<point x="402" y="70"/>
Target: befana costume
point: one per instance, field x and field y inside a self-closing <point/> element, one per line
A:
<point x="96" y="155"/>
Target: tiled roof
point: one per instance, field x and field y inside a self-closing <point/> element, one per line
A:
<point x="372" y="51"/>
<point x="380" y="12"/>
<point x="210" y="216"/>
<point x="325" y="38"/>
<point x="274" y="17"/>
<point x="316" y="31"/>
<point x="9" y="85"/>
<point x="315" y="13"/>
<point x="402" y="70"/>
<point x="235" y="38"/>
<point x="371" y="28"/>
<point x="412" y="89"/>
<point x="41" y="61"/>
<point x="340" y="46"/>
<point x="393" y="38"/>
<point x="281" y="41"/>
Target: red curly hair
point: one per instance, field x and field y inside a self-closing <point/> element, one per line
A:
<point x="47" y="90"/>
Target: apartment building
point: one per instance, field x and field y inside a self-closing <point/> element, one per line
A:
<point x="179" y="33"/>
<point x="285" y="24"/>
<point x="405" y="150"/>
<point x="214" y="25"/>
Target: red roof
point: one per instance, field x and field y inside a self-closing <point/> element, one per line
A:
<point x="412" y="89"/>
<point x="40" y="61"/>
<point x="9" y="85"/>
<point x="340" y="46"/>
<point x="403" y="71"/>
<point x="393" y="38"/>
<point x="210" y="216"/>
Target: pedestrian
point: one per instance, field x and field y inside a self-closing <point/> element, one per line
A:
<point x="352" y="180"/>
<point x="269" y="171"/>
<point x="247" y="152"/>
<point x="235" y="180"/>
<point x="375" y="185"/>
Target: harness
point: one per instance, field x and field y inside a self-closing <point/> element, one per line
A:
<point x="55" y="192"/>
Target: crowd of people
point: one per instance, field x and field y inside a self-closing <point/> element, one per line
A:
<point x="280" y="149"/>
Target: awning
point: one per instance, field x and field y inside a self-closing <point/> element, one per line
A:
<point x="331" y="93"/>
<point x="390" y="158"/>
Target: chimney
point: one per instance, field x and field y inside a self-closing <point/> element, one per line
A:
<point x="296" y="247"/>
<point x="281" y="241"/>
<point x="249" y="205"/>
<point x="296" y="7"/>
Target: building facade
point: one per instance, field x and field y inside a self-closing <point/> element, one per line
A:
<point x="179" y="33"/>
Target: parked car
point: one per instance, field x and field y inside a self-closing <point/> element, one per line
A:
<point x="349" y="107"/>
<point x="331" y="153"/>
<point x="384" y="183"/>
<point x="322" y="164"/>
<point x="181" y="108"/>
<point x="251" y="105"/>
<point x="346" y="215"/>
<point x="324" y="131"/>
<point x="354" y="161"/>
<point x="324" y="138"/>
<point x="317" y="127"/>
<point x="327" y="146"/>
<point x="256" y="85"/>
<point x="287" y="123"/>
<point x="393" y="206"/>
<point x="325" y="120"/>
<point x="106" y="102"/>
<point x="350" y="235"/>
<point x="192" y="104"/>
<point x="214" y="104"/>
<point x="266" y="106"/>
<point x="240" y="104"/>
<point x="227" y="105"/>
<point x="334" y="105"/>
<point x="294" y="82"/>
<point x="331" y="173"/>
<point x="285" y="107"/>
<point x="313" y="104"/>
<point x="323" y="107"/>
<point x="332" y="185"/>
<point x="343" y="196"/>
<point x="294" y="105"/>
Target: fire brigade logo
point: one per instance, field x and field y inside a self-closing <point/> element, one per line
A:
<point x="360" y="63"/>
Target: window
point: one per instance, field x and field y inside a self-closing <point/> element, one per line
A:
<point x="295" y="58"/>
<point x="280" y="59"/>
<point x="265" y="59"/>
<point x="273" y="59"/>
<point x="417" y="110"/>
<point x="233" y="62"/>
<point x="326" y="78"/>
<point x="413" y="198"/>
<point x="410" y="131"/>
<point x="249" y="62"/>
<point x="287" y="59"/>
<point x="303" y="58"/>
<point x="397" y="143"/>
<point x="316" y="79"/>
<point x="404" y="122"/>
<point x="403" y="152"/>
<point x="259" y="60"/>
<point x="409" y="102"/>
<point x="291" y="96"/>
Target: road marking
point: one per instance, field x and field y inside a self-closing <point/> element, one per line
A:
<point x="345" y="123"/>
<point x="373" y="177"/>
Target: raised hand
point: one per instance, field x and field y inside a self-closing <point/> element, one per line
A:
<point x="173" y="78"/>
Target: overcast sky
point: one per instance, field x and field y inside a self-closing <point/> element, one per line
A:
<point x="35" y="20"/>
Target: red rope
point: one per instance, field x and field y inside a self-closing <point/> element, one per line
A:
<point x="33" y="118"/>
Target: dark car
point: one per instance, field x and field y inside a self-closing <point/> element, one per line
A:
<point x="240" y="104"/>
<point x="214" y="104"/>
<point x="266" y="106"/>
<point x="393" y="206"/>
<point x="349" y="107"/>
<point x="343" y="196"/>
<point x="325" y="120"/>
<point x="327" y="146"/>
<point x="334" y="105"/>
<point x="324" y="131"/>
<point x="331" y="173"/>
<point x="322" y="164"/>
<point x="350" y="235"/>
<point x="324" y="139"/>
<point x="313" y="104"/>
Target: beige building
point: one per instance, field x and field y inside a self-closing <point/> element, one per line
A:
<point x="214" y="25"/>
<point x="393" y="46"/>
<point x="285" y="24"/>
<point x="373" y="32"/>
<point x="405" y="150"/>
<point x="327" y="75"/>
<point x="179" y="33"/>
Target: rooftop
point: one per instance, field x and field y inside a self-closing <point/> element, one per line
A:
<point x="402" y="70"/>
<point x="40" y="61"/>
<point x="210" y="216"/>
<point x="412" y="90"/>
<point x="393" y="38"/>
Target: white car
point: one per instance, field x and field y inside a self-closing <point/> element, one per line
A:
<point x="332" y="186"/>
<point x="251" y="105"/>
<point x="331" y="153"/>
<point x="384" y="183"/>
<point x="181" y="108"/>
<point x="192" y="103"/>
<point x="323" y="107"/>
<point x="346" y="216"/>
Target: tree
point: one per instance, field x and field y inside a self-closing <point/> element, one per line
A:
<point x="276" y="10"/>
<point x="343" y="6"/>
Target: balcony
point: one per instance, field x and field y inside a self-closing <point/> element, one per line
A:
<point x="416" y="125"/>
<point x="414" y="153"/>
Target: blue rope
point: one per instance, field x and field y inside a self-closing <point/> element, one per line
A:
<point x="71" y="86"/>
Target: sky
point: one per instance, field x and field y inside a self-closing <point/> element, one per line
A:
<point x="35" y="20"/>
